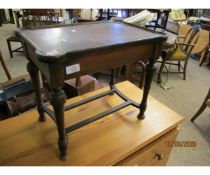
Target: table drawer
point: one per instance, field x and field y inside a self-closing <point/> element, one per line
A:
<point x="156" y="153"/>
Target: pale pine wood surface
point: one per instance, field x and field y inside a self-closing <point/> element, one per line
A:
<point x="25" y="141"/>
<point x="147" y="156"/>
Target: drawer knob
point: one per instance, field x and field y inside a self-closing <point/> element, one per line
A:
<point x="159" y="156"/>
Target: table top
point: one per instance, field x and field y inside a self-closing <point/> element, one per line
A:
<point x="25" y="141"/>
<point x="59" y="41"/>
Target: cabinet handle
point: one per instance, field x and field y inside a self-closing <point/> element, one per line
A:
<point x="159" y="156"/>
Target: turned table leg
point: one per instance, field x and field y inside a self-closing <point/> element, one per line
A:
<point x="58" y="100"/>
<point x="34" y="73"/>
<point x="141" y="82"/>
<point x="150" y="69"/>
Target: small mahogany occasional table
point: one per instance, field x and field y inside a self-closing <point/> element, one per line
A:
<point x="68" y="51"/>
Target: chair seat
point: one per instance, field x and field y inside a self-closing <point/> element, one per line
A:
<point x="179" y="55"/>
<point x="11" y="39"/>
<point x="14" y="38"/>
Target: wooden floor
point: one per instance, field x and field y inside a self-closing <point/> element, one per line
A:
<point x="25" y="141"/>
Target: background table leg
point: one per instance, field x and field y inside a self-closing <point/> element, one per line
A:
<point x="112" y="79"/>
<point x="57" y="100"/>
<point x="34" y="73"/>
<point x="164" y="58"/>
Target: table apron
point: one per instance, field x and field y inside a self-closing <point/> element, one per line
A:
<point x="101" y="60"/>
<point x="89" y="63"/>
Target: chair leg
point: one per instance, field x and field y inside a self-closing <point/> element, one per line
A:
<point x="164" y="56"/>
<point x="10" y="49"/>
<point x="185" y="69"/>
<point x="179" y="66"/>
<point x="201" y="109"/>
<point x="5" y="67"/>
<point x="204" y="57"/>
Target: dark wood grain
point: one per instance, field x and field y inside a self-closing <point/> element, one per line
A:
<point x="69" y="39"/>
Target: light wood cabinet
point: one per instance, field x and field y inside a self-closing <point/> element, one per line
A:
<point x="117" y="139"/>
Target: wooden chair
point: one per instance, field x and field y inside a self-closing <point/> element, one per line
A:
<point x="14" y="38"/>
<point x="161" y="20"/>
<point x="32" y="18"/>
<point x="11" y="40"/>
<point x="183" y="31"/>
<point x="107" y="14"/>
<point x="205" y="103"/>
<point x="39" y="17"/>
<point x="203" y="47"/>
<point x="180" y="51"/>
